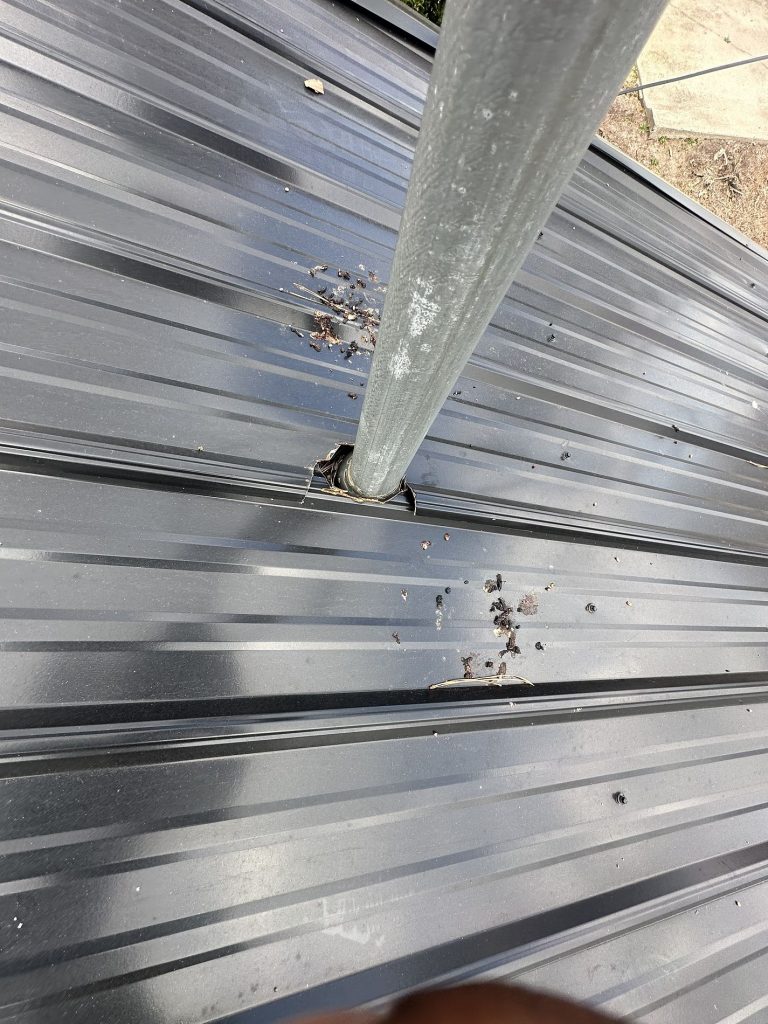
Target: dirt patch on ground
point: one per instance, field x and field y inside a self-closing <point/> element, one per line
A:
<point x="729" y="177"/>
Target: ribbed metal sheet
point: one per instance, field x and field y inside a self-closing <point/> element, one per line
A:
<point x="145" y="234"/>
<point x="127" y="596"/>
<point x="189" y="873"/>
<point x="226" y="785"/>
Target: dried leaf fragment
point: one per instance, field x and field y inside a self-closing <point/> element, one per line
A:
<point x="501" y="679"/>
<point x="315" y="85"/>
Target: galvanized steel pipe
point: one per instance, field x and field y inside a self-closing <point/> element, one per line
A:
<point x="518" y="88"/>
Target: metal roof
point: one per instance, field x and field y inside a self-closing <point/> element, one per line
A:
<point x="226" y="785"/>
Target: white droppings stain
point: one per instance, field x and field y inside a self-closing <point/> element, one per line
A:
<point x="487" y="114"/>
<point x="755" y="405"/>
<point x="336" y="915"/>
<point x="513" y="94"/>
<point x="422" y="311"/>
<point x="399" y="364"/>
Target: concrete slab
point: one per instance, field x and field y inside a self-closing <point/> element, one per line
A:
<point x="697" y="34"/>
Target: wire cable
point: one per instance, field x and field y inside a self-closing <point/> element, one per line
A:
<point x="692" y="74"/>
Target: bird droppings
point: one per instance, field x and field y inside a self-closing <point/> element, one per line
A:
<point x="350" y="305"/>
<point x="491" y="586"/>
<point x="396" y="638"/>
<point x="352" y="395"/>
<point x="620" y="797"/>
<point x="591" y="607"/>
<point x="565" y="456"/>
<point x="528" y="604"/>
<point x="316" y="86"/>
<point x="446" y="536"/>
<point x="426" y="544"/>
<point x="551" y="585"/>
<point x="404" y="594"/>
<point x="676" y="428"/>
<point x="502" y="621"/>
<point x="503" y="627"/>
<point x="511" y="648"/>
<point x="325" y="329"/>
<point x="468" y="670"/>
<point x="296" y="331"/>
<point x="539" y="645"/>
<point x="447" y="590"/>
<point x="628" y="604"/>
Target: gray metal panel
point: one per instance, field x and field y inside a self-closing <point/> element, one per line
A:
<point x="120" y="595"/>
<point x="282" y="856"/>
<point x="295" y="863"/>
<point x="143" y="253"/>
<point x="225" y="787"/>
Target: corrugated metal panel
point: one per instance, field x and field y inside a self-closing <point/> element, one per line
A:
<point x="145" y="249"/>
<point x="305" y="862"/>
<point x="136" y="595"/>
<point x="226" y="785"/>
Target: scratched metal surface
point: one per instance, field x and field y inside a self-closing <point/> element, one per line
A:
<point x="226" y="787"/>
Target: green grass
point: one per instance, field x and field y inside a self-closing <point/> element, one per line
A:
<point x="432" y="9"/>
